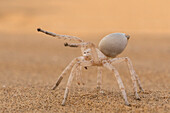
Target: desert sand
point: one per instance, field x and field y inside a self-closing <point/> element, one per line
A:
<point x="30" y="66"/>
<point x="30" y="62"/>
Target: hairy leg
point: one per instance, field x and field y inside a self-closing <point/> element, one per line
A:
<point x="80" y="63"/>
<point x="99" y="77"/>
<point x="134" y="76"/>
<point x="60" y="36"/>
<point x="65" y="71"/>
<point x="132" y="71"/>
<point x="70" y="79"/>
<point x="120" y="83"/>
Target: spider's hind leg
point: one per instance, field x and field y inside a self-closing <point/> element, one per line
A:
<point x="120" y="83"/>
<point x="134" y="76"/>
<point x="132" y="71"/>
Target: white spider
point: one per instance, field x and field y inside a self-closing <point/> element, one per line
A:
<point x="109" y="47"/>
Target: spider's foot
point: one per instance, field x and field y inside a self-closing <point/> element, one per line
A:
<point x="127" y="104"/>
<point x="53" y="88"/>
<point x="63" y="103"/>
<point x="98" y="89"/>
<point x="138" y="98"/>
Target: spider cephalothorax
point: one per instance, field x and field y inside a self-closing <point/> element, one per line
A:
<point x="109" y="47"/>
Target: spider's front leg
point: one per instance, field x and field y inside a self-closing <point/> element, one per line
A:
<point x="120" y="83"/>
<point x="79" y="63"/>
<point x="65" y="71"/>
<point x="134" y="76"/>
<point x="69" y="83"/>
<point x="70" y="65"/>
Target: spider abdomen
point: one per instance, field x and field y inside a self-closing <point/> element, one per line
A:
<point x="113" y="44"/>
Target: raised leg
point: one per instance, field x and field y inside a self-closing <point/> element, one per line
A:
<point x="99" y="77"/>
<point x="120" y="83"/>
<point x="85" y="45"/>
<point x="65" y="71"/>
<point x="70" y="79"/>
<point x="134" y="76"/>
<point x="60" y="36"/>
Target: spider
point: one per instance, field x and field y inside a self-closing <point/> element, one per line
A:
<point x="104" y="56"/>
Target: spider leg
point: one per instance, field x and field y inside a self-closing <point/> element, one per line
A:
<point x="132" y="71"/>
<point x="120" y="83"/>
<point x="60" y="36"/>
<point x="134" y="76"/>
<point x="78" y="74"/>
<point x="70" y="79"/>
<point x="65" y="71"/>
<point x="130" y="66"/>
<point x="81" y="63"/>
<point x="99" y="77"/>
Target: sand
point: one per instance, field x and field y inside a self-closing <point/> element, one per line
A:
<point x="31" y="64"/>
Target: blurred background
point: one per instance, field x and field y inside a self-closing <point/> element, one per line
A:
<point x="84" y="17"/>
<point x="26" y="54"/>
